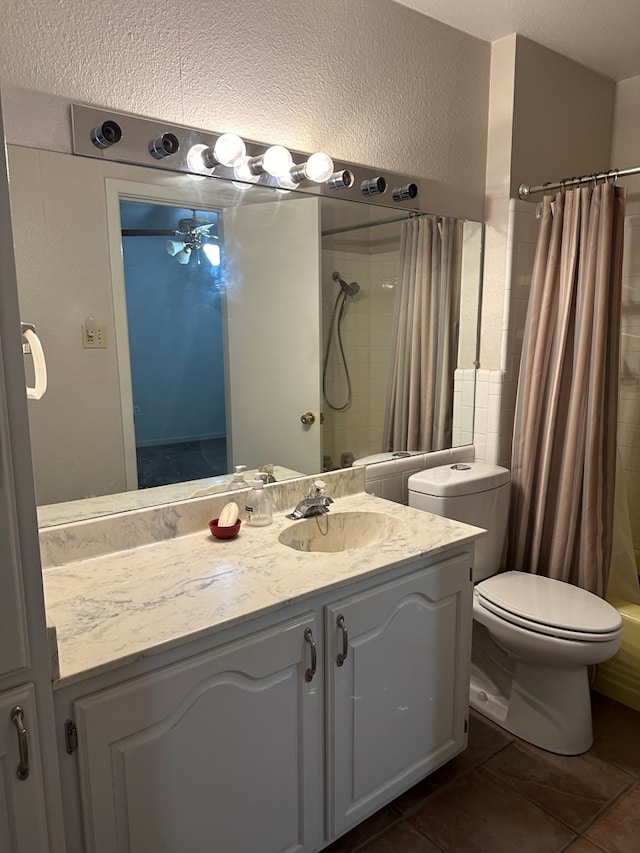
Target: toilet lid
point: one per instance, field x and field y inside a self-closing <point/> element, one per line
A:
<point x="548" y="606"/>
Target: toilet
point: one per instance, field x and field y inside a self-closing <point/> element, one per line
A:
<point x="533" y="637"/>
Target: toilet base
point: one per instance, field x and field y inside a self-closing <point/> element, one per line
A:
<point x="548" y="707"/>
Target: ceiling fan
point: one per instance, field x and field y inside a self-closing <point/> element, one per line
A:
<point x="191" y="235"/>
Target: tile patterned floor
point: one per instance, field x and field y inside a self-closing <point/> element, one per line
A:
<point x="503" y="795"/>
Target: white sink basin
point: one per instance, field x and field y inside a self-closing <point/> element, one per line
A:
<point x="340" y="531"/>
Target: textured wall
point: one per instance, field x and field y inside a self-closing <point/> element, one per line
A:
<point x="369" y="81"/>
<point x="549" y="118"/>
<point x="625" y="148"/>
<point x="562" y="117"/>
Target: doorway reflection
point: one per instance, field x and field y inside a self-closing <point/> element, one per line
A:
<point x="172" y="273"/>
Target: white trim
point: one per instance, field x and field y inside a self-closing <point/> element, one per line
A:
<point x="113" y="192"/>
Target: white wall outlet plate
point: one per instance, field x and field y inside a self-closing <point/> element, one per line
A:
<point x="94" y="336"/>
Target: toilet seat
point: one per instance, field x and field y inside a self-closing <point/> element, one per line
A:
<point x="547" y="606"/>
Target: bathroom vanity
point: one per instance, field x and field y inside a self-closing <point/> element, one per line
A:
<point x="251" y="696"/>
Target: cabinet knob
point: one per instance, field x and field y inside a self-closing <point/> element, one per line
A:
<point x="17" y="718"/>
<point x="342" y="656"/>
<point x="311" y="671"/>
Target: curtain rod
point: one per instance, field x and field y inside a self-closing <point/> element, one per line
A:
<point x="569" y="183"/>
<point x="331" y="231"/>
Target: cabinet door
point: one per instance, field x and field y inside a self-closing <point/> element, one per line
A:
<point x="398" y="703"/>
<point x="220" y="753"/>
<point x="23" y="820"/>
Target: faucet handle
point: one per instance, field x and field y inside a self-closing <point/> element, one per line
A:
<point x="318" y="488"/>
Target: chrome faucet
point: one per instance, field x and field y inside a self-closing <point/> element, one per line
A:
<point x="315" y="503"/>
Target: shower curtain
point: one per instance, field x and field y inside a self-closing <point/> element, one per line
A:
<point x="419" y="409"/>
<point x="564" y="445"/>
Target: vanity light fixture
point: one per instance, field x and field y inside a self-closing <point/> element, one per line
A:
<point x="228" y="150"/>
<point x="197" y="162"/>
<point x="318" y="168"/>
<point x="106" y="134"/>
<point x="407" y="191"/>
<point x="341" y="178"/>
<point x="276" y="161"/>
<point x="164" y="146"/>
<point x="243" y="172"/>
<point x="375" y="186"/>
<point x="226" y="156"/>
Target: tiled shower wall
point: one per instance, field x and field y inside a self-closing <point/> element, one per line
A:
<point x="496" y="389"/>
<point x="366" y="336"/>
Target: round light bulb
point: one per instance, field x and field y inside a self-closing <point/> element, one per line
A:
<point x="319" y="167"/>
<point x="195" y="163"/>
<point x="242" y="171"/>
<point x="277" y="161"/>
<point x="229" y="149"/>
<point x="286" y="182"/>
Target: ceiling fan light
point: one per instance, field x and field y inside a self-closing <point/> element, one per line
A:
<point x="174" y="246"/>
<point x="212" y="253"/>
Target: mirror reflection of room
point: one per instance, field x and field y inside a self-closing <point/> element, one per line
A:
<point x="189" y="385"/>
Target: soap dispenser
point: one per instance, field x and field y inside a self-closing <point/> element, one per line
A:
<point x="238" y="480"/>
<point x="258" y="505"/>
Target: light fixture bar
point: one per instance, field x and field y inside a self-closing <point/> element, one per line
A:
<point x="124" y="138"/>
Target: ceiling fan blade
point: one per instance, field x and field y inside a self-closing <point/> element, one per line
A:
<point x="147" y="232"/>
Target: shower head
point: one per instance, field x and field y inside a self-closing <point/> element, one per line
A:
<point x="348" y="289"/>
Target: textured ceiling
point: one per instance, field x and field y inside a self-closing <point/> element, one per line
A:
<point x="602" y="34"/>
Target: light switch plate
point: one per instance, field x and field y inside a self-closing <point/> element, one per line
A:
<point x="94" y="336"/>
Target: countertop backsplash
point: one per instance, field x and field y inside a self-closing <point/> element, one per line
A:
<point x="81" y="540"/>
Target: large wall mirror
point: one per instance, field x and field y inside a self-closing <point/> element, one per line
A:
<point x="192" y="326"/>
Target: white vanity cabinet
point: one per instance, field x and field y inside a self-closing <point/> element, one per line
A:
<point x="291" y="731"/>
<point x="221" y="752"/>
<point x="30" y="809"/>
<point x="23" y="818"/>
<point x="397" y="688"/>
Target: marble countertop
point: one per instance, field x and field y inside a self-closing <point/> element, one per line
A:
<point x="113" y="609"/>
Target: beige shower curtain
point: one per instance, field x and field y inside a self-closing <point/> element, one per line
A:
<point x="564" y="446"/>
<point x="419" y="410"/>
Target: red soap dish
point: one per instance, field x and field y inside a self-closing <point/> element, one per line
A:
<point x="224" y="532"/>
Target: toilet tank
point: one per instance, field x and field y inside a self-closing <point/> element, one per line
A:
<point x="473" y="492"/>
